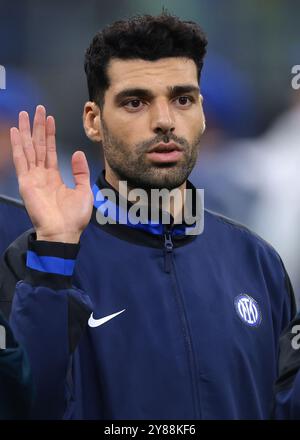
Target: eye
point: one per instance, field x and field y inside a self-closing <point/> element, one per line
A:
<point x="184" y="101"/>
<point x="133" y="104"/>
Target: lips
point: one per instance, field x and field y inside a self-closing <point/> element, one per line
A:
<point x="165" y="148"/>
<point x="164" y="153"/>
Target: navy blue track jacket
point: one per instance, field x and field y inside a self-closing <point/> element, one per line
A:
<point x="182" y="326"/>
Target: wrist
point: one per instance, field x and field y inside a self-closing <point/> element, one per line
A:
<point x="72" y="238"/>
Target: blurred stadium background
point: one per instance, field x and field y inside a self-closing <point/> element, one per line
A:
<point x="250" y="153"/>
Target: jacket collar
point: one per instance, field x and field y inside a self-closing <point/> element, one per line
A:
<point x="117" y="212"/>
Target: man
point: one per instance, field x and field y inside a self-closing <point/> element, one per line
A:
<point x="143" y="321"/>
<point x="11" y="208"/>
<point x="15" y="378"/>
<point x="14" y="221"/>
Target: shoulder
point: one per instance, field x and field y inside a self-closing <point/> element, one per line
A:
<point x="11" y="202"/>
<point x="247" y="251"/>
<point x="229" y="229"/>
<point x="14" y="220"/>
<point x="9" y="205"/>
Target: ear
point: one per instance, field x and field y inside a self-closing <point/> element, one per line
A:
<point x="203" y="115"/>
<point x="91" y="121"/>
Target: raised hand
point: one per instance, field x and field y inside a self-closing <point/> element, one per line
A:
<point x="57" y="212"/>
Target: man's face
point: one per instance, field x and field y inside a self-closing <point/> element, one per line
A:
<point x="152" y="121"/>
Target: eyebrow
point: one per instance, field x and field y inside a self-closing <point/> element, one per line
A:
<point x="180" y="90"/>
<point x="148" y="94"/>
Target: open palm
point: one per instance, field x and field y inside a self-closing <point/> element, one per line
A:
<point x="57" y="212"/>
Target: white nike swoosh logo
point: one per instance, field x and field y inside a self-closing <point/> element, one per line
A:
<point x="96" y="322"/>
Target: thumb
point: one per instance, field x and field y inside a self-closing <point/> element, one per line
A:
<point x="80" y="169"/>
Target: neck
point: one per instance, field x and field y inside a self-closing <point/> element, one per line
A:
<point x="175" y="205"/>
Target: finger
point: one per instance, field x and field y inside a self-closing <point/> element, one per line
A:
<point x="19" y="157"/>
<point x="39" y="135"/>
<point x="80" y="169"/>
<point x="24" y="129"/>
<point x="51" y="156"/>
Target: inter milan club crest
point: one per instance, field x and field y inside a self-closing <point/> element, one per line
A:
<point x="248" y="310"/>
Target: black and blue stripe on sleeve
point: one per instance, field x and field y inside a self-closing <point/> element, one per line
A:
<point x="50" y="264"/>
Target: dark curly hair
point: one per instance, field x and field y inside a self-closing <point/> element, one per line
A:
<point x="146" y="37"/>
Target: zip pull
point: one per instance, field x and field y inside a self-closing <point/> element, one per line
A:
<point x="168" y="245"/>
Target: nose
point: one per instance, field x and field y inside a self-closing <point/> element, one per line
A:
<point x="162" y="118"/>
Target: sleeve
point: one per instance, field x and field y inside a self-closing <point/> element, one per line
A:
<point x="287" y="387"/>
<point x="16" y="391"/>
<point x="48" y="317"/>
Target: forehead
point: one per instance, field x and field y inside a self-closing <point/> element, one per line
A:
<point x="161" y="73"/>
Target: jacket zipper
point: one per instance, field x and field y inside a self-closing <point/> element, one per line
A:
<point x="168" y="245"/>
<point x="168" y="251"/>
